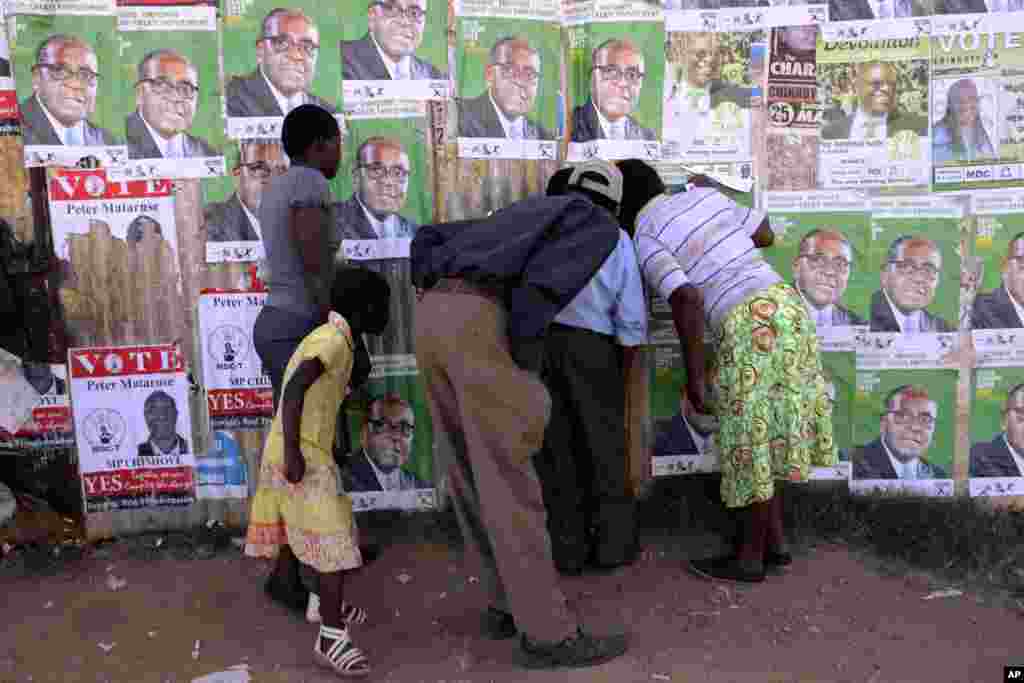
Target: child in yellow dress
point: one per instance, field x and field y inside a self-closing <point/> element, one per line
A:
<point x="297" y="502"/>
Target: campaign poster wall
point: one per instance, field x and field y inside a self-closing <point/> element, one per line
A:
<point x="977" y="120"/>
<point x="821" y="247"/>
<point x="238" y="392"/>
<point x="840" y="370"/>
<point x="133" y="429"/>
<point x="67" y="78"/>
<point x="790" y="152"/>
<point x="615" y="63"/>
<point x="173" y="118"/>
<point x="996" y="325"/>
<point x="9" y="124"/>
<point x="873" y="79"/>
<point x="394" y="50"/>
<point x="904" y="431"/>
<point x="509" y="80"/>
<point x="276" y="57"/>
<point x="914" y="309"/>
<point x="996" y="465"/>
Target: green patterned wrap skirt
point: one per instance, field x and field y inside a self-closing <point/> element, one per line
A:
<point x="770" y="396"/>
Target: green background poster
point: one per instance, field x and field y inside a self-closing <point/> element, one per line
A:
<point x="646" y="35"/>
<point x="945" y="232"/>
<point x="791" y="228"/>
<point x="869" y="405"/>
<point x="477" y="35"/>
<point x="994" y="431"/>
<point x="840" y="371"/>
<point x="100" y="32"/>
<point x="353" y="20"/>
<point x="994" y="234"/>
<point x="242" y="31"/>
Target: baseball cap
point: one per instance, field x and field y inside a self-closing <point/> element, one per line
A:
<point x="610" y="189"/>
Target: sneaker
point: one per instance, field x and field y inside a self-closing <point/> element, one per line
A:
<point x="725" y="568"/>
<point x="578" y="650"/>
<point x="499" y="625"/>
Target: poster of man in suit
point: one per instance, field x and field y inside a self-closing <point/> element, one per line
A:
<point x="821" y="242"/>
<point x="382" y="462"/>
<point x="875" y="91"/>
<point x="394" y="49"/>
<point x="66" y="79"/>
<point x="904" y="436"/>
<point x="277" y="57"/>
<point x="708" y="91"/>
<point x="508" y="85"/>
<point x="174" y="123"/>
<point x="847" y="10"/>
<point x="996" y="464"/>
<point x="996" y="316"/>
<point x="616" y="60"/>
<point x="233" y="231"/>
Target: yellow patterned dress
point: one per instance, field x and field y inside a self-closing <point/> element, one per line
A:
<point x="311" y="516"/>
<point x="770" y="396"/>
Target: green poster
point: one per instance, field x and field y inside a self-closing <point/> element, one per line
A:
<point x="277" y="57"/>
<point x="509" y="84"/>
<point x="997" y="284"/>
<point x="616" y="66"/>
<point x="840" y="377"/>
<point x="68" y="86"/>
<point x="393" y="50"/>
<point x="996" y="465"/>
<point x="173" y="117"/>
<point x="905" y="426"/>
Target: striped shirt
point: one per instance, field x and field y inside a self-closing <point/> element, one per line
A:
<point x="703" y="238"/>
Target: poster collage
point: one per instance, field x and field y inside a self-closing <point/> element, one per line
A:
<point x="885" y="138"/>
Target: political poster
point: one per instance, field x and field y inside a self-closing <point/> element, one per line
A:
<point x="45" y="388"/>
<point x="977" y="111"/>
<point x="821" y="247"/>
<point x="67" y="79"/>
<point x="741" y="15"/>
<point x="839" y="368"/>
<point x="133" y="429"/>
<point x="231" y="209"/>
<point x="9" y="124"/>
<point x="996" y="465"/>
<point x="238" y="392"/>
<point x="394" y="50"/>
<point x="710" y="84"/>
<point x="904" y="431"/>
<point x="914" y="307"/>
<point x="509" y="80"/>
<point x="995" y="316"/>
<point x="615" y="64"/>
<point x="173" y="121"/>
<point x="277" y="57"/>
<point x="790" y="154"/>
<point x="873" y="80"/>
<point x="222" y="472"/>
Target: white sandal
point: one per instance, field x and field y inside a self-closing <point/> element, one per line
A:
<point x="344" y="658"/>
<point x="350" y="614"/>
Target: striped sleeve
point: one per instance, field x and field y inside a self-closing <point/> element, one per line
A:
<point x="662" y="272"/>
<point x="748" y="219"/>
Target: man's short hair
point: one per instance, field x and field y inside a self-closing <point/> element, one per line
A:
<point x="805" y="241"/>
<point x="158" y="395"/>
<point x="59" y="39"/>
<point x="640" y="184"/>
<point x="910" y="390"/>
<point x="136" y="229"/>
<point x="389" y="399"/>
<point x="618" y="43"/>
<point x="305" y="126"/>
<point x="558" y="184"/>
<point x="354" y="287"/>
<point x="896" y="248"/>
<point x="143" y="70"/>
<point x="503" y="43"/>
<point x="281" y="13"/>
<point x="373" y="142"/>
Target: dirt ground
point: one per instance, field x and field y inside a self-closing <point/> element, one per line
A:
<point x="832" y="617"/>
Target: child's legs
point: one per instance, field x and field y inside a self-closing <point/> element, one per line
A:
<point x="330" y="598"/>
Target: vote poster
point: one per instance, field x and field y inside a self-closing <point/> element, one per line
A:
<point x="873" y="80"/>
<point x="840" y="370"/>
<point x="996" y="465"/>
<point x="9" y="124"/>
<point x="996" y="324"/>
<point x="133" y="429"/>
<point x="977" y="113"/>
<point x="47" y="421"/>
<point x="509" y="80"/>
<point x="170" y="87"/>
<point x="238" y="392"/>
<point x="615" y="63"/>
<point x="276" y="57"/>
<point x="904" y="431"/>
<point x="222" y="472"/>
<point x="790" y="152"/>
<point x="68" y="82"/>
<point x="821" y="247"/>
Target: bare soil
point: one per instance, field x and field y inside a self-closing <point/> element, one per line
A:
<point x="832" y="617"/>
